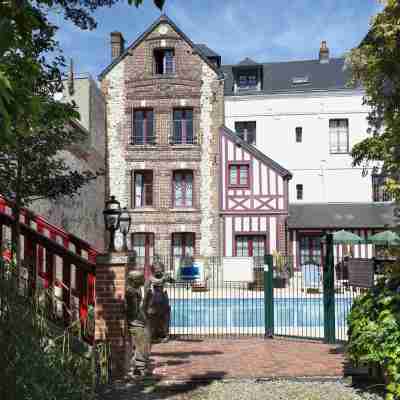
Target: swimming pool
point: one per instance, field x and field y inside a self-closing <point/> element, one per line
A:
<point x="249" y="313"/>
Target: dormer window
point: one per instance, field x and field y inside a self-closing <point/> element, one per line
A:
<point x="247" y="82"/>
<point x="164" y="61"/>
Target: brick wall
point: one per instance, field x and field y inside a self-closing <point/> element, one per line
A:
<point x="110" y="317"/>
<point x="131" y="85"/>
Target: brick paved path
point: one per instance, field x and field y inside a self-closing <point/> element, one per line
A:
<point x="245" y="358"/>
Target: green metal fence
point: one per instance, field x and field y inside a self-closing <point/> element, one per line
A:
<point x="311" y="301"/>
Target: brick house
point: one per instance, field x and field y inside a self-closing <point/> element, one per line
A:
<point x="165" y="105"/>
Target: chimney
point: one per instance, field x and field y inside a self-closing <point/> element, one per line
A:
<point x="117" y="44"/>
<point x="324" y="53"/>
<point x="71" y="89"/>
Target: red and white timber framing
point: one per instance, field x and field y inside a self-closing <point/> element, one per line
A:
<point x="257" y="207"/>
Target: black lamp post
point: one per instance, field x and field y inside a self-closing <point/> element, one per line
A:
<point x="124" y="226"/>
<point x="112" y="214"/>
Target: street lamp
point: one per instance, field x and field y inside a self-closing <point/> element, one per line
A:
<point x="112" y="214"/>
<point x="124" y="226"/>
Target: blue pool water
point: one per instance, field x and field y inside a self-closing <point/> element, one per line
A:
<point x="290" y="312"/>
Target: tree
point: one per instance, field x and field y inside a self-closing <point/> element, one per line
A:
<point x="34" y="127"/>
<point x="375" y="63"/>
<point x="23" y="23"/>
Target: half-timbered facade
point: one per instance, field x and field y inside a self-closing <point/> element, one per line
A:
<point x="253" y="199"/>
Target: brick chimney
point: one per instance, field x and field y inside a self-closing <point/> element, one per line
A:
<point x="324" y="53"/>
<point x="117" y="44"/>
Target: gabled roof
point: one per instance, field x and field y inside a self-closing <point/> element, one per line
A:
<point x="340" y="215"/>
<point x="247" y="61"/>
<point x="278" y="76"/>
<point x="161" y="19"/>
<point x="256" y="153"/>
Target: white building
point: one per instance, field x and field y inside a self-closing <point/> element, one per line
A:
<point x="306" y="117"/>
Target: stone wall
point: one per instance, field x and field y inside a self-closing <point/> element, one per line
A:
<point x="81" y="215"/>
<point x="131" y="84"/>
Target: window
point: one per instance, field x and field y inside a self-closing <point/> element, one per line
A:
<point x="183" y="189"/>
<point x="299" y="192"/>
<point x="246" y="130"/>
<point x="183" y="127"/>
<point x="182" y="248"/>
<point x="379" y="192"/>
<point x="239" y="175"/>
<point x="164" y="61"/>
<point x="299" y="134"/>
<point x="247" y="82"/>
<point x="250" y="245"/>
<point x="143" y="247"/>
<point x="142" y="132"/>
<point x="310" y="250"/>
<point x="300" y="80"/>
<point x="143" y="189"/>
<point x="338" y="136"/>
<point x="183" y="244"/>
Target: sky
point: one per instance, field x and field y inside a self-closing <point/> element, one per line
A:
<point x="264" y="30"/>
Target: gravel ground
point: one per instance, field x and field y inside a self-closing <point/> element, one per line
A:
<point x="241" y="390"/>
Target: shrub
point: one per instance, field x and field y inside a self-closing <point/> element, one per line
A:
<point x="36" y="356"/>
<point x="374" y="332"/>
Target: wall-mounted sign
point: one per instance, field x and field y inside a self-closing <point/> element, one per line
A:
<point x="361" y="272"/>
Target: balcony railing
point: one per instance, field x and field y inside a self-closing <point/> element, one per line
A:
<point x="184" y="131"/>
<point x="178" y="132"/>
<point x="143" y="132"/>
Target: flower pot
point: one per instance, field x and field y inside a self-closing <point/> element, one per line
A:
<point x="279" y="282"/>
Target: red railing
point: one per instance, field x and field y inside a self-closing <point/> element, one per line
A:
<point x="63" y="263"/>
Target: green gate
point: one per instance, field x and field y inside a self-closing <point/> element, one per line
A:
<point x="311" y="302"/>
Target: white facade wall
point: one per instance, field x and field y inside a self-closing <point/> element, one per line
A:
<point x="325" y="177"/>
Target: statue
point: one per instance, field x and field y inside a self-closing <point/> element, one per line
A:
<point x="138" y="322"/>
<point x="159" y="310"/>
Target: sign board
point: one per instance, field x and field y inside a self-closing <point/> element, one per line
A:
<point x="238" y="269"/>
<point x="361" y="272"/>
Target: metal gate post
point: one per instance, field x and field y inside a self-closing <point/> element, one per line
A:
<point x="268" y="296"/>
<point x="329" y="292"/>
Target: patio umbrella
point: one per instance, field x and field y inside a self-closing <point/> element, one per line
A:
<point x="384" y="238"/>
<point x="345" y="237"/>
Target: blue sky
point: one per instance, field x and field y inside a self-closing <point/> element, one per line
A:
<point x="265" y="30"/>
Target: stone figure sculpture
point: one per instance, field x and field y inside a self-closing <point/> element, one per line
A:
<point x="138" y="322"/>
<point x="159" y="310"/>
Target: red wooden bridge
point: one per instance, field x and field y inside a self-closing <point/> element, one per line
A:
<point x="56" y="260"/>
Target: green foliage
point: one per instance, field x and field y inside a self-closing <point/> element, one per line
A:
<point x="374" y="332"/>
<point x="376" y="65"/>
<point x="39" y="361"/>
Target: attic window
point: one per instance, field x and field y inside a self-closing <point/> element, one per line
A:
<point x="300" y="80"/>
<point x="164" y="61"/>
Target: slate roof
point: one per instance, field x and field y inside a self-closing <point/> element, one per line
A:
<point x="277" y="77"/>
<point x="340" y="215"/>
<point x="257" y="153"/>
<point x="162" y="18"/>
<point x="206" y="50"/>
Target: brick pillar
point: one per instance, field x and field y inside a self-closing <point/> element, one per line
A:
<point x="110" y="322"/>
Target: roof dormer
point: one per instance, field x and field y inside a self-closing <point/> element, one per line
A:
<point x="247" y="76"/>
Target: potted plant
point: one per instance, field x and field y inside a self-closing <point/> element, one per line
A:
<point x="280" y="270"/>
